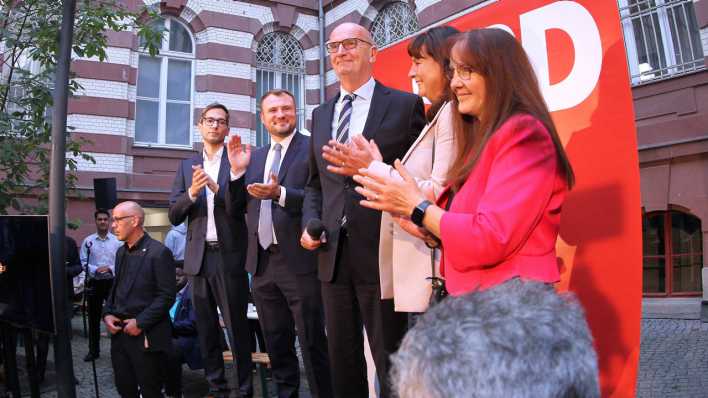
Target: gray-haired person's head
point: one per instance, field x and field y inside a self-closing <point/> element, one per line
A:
<point x="519" y="339"/>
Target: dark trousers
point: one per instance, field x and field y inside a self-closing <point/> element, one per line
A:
<point x="212" y="288"/>
<point x="350" y="301"/>
<point x="137" y="372"/>
<point x="287" y="302"/>
<point x="173" y="383"/>
<point x="99" y="289"/>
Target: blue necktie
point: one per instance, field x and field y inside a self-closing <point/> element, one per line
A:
<point x="265" y="219"/>
<point x="344" y="118"/>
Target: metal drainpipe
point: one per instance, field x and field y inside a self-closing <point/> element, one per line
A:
<point x="322" y="52"/>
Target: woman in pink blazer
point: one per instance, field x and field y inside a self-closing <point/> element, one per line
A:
<point x="499" y="216"/>
<point x="404" y="260"/>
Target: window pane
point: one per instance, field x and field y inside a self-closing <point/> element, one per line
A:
<point x="179" y="80"/>
<point x="177" y="124"/>
<point x="653" y="234"/>
<point x="149" y="76"/>
<point x="179" y="38"/>
<point x="687" y="273"/>
<point x="158" y="24"/>
<point x="685" y="233"/>
<point x="654" y="275"/>
<point x="146" y="113"/>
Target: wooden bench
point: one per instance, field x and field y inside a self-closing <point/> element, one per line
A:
<point x="262" y="361"/>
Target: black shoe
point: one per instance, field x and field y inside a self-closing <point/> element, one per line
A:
<point x="91" y="357"/>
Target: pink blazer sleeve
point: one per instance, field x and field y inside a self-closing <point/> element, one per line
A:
<point x="522" y="171"/>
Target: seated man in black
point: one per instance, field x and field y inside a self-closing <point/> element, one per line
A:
<point x="137" y="309"/>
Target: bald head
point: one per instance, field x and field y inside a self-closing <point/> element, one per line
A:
<point x="127" y="222"/>
<point x="130" y="208"/>
<point x="351" y="30"/>
<point x="355" y="54"/>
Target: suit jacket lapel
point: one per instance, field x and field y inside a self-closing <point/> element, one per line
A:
<point x="422" y="134"/>
<point x="324" y="131"/>
<point x="377" y="110"/>
<point x="289" y="156"/>
<point x="259" y="161"/>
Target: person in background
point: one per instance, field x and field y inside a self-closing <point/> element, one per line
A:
<point x="185" y="343"/>
<point x="517" y="339"/>
<point x="98" y="254"/>
<point x="175" y="240"/>
<point x="404" y="259"/>
<point x="73" y="268"/>
<point x="137" y="309"/>
<point x="500" y="214"/>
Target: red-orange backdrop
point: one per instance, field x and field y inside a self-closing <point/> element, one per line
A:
<point x="600" y="242"/>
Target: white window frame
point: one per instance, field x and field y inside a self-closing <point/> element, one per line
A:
<point x="637" y="74"/>
<point x="165" y="55"/>
<point x="262" y="136"/>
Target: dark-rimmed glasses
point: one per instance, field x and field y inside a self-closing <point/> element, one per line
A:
<point x="348" y="44"/>
<point x="211" y="122"/>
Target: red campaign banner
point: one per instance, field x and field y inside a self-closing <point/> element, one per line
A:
<point x="577" y="50"/>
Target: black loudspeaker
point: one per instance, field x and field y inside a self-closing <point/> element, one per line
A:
<point x="105" y="194"/>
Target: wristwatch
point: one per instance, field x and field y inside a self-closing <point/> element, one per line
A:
<point x="419" y="212"/>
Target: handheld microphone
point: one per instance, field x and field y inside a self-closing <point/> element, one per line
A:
<point x="315" y="229"/>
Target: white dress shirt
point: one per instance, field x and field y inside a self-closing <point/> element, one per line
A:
<point x="211" y="167"/>
<point x="284" y="143"/>
<point x="103" y="252"/>
<point x="360" y="108"/>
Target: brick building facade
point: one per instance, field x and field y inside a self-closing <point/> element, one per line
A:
<point x="136" y="109"/>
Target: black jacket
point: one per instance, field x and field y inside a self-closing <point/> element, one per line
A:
<point x="152" y="292"/>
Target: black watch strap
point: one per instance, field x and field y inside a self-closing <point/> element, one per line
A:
<point x="419" y="212"/>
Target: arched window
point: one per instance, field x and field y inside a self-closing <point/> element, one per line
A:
<point x="395" y="21"/>
<point x="673" y="253"/>
<point x="163" y="105"/>
<point x="280" y="64"/>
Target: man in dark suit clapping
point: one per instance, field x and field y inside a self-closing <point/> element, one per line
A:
<point x="348" y="262"/>
<point x="207" y="192"/>
<point x="137" y="309"/>
<point x="285" y="286"/>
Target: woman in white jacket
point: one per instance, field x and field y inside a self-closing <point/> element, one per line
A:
<point x="405" y="260"/>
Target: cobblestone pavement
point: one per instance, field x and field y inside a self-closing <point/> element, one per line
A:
<point x="194" y="384"/>
<point x="673" y="364"/>
<point x="673" y="359"/>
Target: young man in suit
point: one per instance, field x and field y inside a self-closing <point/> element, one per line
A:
<point x="137" y="309"/>
<point x="206" y="192"/>
<point x="348" y="262"/>
<point x="285" y="286"/>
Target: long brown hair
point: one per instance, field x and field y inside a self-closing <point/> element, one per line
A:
<point x="434" y="43"/>
<point x="511" y="88"/>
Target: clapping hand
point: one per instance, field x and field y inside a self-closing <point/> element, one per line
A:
<point x="239" y="154"/>
<point x="265" y="191"/>
<point x="347" y="159"/>
<point x="389" y="194"/>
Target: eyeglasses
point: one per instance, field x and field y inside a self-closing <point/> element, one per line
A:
<point x="117" y="219"/>
<point x="348" y="44"/>
<point x="463" y="72"/>
<point x="211" y="122"/>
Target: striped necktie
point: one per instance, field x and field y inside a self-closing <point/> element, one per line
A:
<point x="265" y="219"/>
<point x="344" y="118"/>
